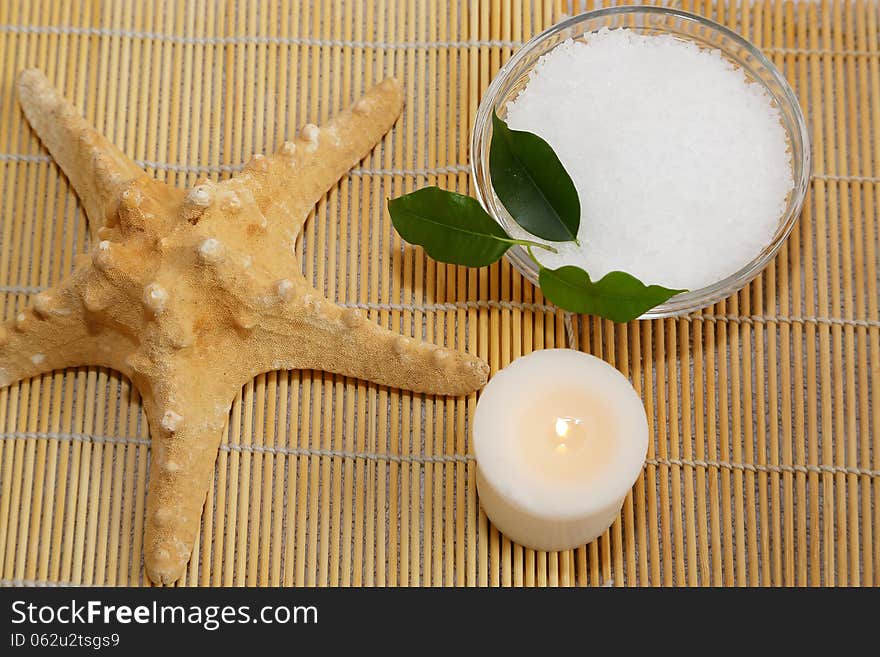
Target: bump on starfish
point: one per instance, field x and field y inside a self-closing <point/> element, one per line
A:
<point x="43" y="304"/>
<point x="211" y="250"/>
<point x="229" y="321"/>
<point x="155" y="298"/>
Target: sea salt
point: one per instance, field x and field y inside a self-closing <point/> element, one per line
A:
<point x="680" y="162"/>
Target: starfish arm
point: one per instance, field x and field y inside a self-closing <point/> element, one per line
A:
<point x="53" y="333"/>
<point x="318" y="334"/>
<point x="288" y="184"/>
<point x="187" y="419"/>
<point x="97" y="169"/>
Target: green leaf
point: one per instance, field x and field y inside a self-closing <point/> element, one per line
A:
<point x="451" y="227"/>
<point x="532" y="183"/>
<point x="616" y="296"/>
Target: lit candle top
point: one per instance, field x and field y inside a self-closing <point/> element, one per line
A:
<point x="560" y="434"/>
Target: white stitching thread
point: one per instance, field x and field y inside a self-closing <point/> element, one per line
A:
<point x="81" y="437"/>
<point x="20" y="289"/>
<point x="761" y="467"/>
<point x="259" y="40"/>
<point x="240" y="448"/>
<point x="570" y="333"/>
<point x="7" y="583"/>
<point x="435" y="171"/>
<point x="854" y="179"/>
<point x="359" y="171"/>
<point x="537" y="307"/>
<point x="819" y="51"/>
<point x="422" y="459"/>
<point x="367" y="456"/>
<point x="17" y="157"/>
<point x="187" y="168"/>
<point x="338" y="43"/>
<point x="756" y="319"/>
<point x="451" y="306"/>
<point x="146" y="164"/>
<point x="233" y="168"/>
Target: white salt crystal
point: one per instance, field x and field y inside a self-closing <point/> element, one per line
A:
<point x="681" y="164"/>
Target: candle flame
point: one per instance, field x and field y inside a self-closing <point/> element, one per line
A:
<point x="562" y="427"/>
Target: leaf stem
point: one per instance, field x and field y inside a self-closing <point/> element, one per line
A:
<point x="529" y="244"/>
<point x="532" y="256"/>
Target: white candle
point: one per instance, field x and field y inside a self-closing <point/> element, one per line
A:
<point x="559" y="437"/>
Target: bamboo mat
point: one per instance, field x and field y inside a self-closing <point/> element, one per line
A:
<point x="764" y="465"/>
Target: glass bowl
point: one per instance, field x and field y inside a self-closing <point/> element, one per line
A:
<point x="514" y="75"/>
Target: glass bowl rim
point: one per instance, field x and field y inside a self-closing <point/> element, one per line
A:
<point x="692" y="300"/>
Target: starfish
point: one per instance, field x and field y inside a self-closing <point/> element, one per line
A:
<point x="192" y="293"/>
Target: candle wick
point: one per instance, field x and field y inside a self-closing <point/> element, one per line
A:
<point x="563" y="428"/>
